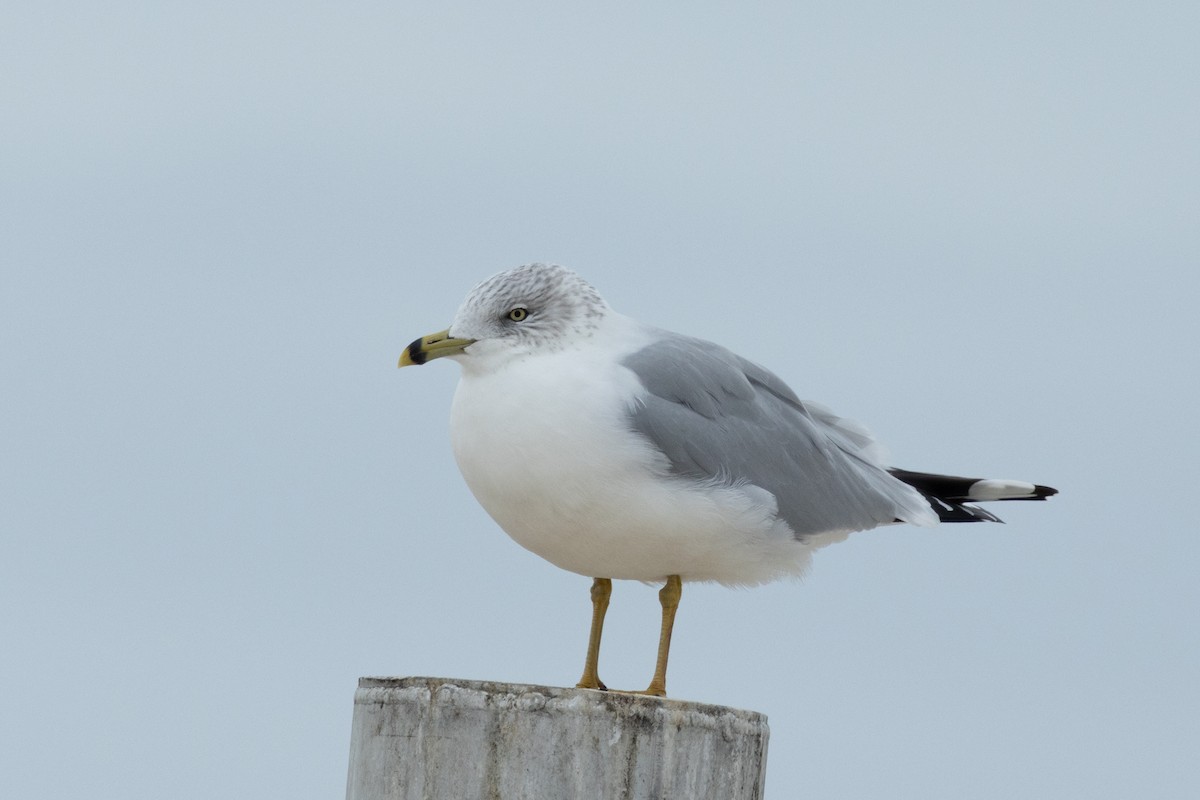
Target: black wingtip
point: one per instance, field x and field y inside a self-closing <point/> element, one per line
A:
<point x="954" y="498"/>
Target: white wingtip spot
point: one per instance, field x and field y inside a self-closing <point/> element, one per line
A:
<point x="1001" y="490"/>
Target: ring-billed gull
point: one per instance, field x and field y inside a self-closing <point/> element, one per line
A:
<point x="617" y="450"/>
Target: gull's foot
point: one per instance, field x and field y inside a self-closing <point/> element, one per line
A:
<point x="592" y="683"/>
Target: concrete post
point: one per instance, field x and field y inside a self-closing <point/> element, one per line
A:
<point x="444" y="739"/>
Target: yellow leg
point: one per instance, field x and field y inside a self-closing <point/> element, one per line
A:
<point x="601" y="590"/>
<point x="669" y="597"/>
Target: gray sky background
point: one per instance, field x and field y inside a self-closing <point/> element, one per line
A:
<point x="971" y="226"/>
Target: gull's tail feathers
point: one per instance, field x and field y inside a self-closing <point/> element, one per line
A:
<point x="953" y="498"/>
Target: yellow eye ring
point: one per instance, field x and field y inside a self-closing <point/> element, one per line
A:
<point x="518" y="315"/>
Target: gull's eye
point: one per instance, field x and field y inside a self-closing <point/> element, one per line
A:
<point x="518" y="314"/>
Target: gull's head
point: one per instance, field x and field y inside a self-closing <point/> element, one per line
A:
<point x="530" y="309"/>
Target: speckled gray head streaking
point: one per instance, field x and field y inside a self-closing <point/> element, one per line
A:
<point x="555" y="300"/>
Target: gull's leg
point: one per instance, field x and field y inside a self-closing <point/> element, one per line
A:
<point x="601" y="590"/>
<point x="669" y="597"/>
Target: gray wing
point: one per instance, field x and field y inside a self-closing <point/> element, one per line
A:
<point x="719" y="417"/>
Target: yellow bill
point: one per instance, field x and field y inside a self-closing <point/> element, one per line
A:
<point x="435" y="345"/>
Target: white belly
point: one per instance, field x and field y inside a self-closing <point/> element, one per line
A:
<point x="555" y="463"/>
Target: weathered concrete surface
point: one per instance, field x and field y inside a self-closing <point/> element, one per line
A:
<point x="445" y="739"/>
